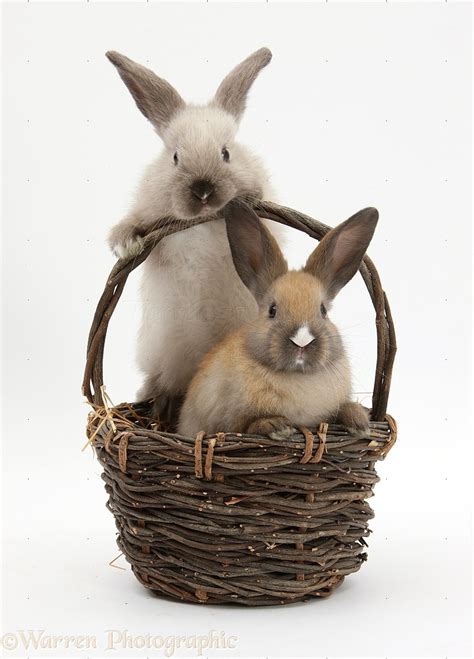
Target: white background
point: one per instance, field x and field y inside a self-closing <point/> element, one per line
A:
<point x="363" y="104"/>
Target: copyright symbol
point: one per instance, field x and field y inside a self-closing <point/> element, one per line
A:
<point x="9" y="641"/>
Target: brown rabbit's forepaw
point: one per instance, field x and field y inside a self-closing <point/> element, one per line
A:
<point x="276" y="427"/>
<point x="355" y="418"/>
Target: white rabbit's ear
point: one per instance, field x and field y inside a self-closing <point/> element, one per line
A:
<point x="232" y="92"/>
<point x="339" y="254"/>
<point x="155" y="97"/>
<point x="255" y="252"/>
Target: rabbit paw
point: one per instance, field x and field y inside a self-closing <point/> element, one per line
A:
<point x="126" y="241"/>
<point x="355" y="418"/>
<point x="276" y="427"/>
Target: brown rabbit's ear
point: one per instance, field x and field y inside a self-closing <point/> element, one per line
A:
<point x="339" y="254"/>
<point x="155" y="97"/>
<point x="232" y="92"/>
<point x="255" y="252"/>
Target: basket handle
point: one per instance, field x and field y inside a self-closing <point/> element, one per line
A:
<point x="386" y="340"/>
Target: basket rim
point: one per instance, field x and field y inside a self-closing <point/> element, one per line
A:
<point x="129" y="425"/>
<point x="386" y="339"/>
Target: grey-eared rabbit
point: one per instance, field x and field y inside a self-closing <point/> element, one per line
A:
<point x="191" y="294"/>
<point x="287" y="368"/>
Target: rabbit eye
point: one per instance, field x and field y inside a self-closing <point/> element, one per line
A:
<point x="272" y="311"/>
<point x="175" y="158"/>
<point x="225" y="154"/>
<point x="324" y="311"/>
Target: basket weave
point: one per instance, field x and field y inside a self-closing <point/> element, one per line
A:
<point x="234" y="518"/>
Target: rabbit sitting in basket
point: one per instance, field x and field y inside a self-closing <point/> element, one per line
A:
<point x="191" y="293"/>
<point x="288" y="367"/>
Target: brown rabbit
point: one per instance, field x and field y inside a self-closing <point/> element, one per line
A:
<point x="288" y="367"/>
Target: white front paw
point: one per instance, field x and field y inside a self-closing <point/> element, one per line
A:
<point x="125" y="240"/>
<point x="131" y="247"/>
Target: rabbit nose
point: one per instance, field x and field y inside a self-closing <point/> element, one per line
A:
<point x="202" y="190"/>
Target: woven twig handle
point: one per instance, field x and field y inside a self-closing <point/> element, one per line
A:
<point x="386" y="342"/>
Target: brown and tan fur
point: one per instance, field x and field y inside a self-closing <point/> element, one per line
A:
<point x="288" y="367"/>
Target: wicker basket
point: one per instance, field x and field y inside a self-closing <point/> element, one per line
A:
<point x="236" y="518"/>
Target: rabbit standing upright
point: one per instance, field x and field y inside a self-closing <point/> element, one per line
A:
<point x="191" y="294"/>
<point x="287" y="367"/>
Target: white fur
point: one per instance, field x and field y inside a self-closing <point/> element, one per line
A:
<point x="191" y="298"/>
<point x="302" y="337"/>
<point x="191" y="294"/>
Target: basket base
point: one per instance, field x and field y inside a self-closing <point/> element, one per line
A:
<point x="238" y="519"/>
<point x="201" y="596"/>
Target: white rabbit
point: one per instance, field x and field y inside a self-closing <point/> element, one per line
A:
<point x="288" y="367"/>
<point x="191" y="294"/>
